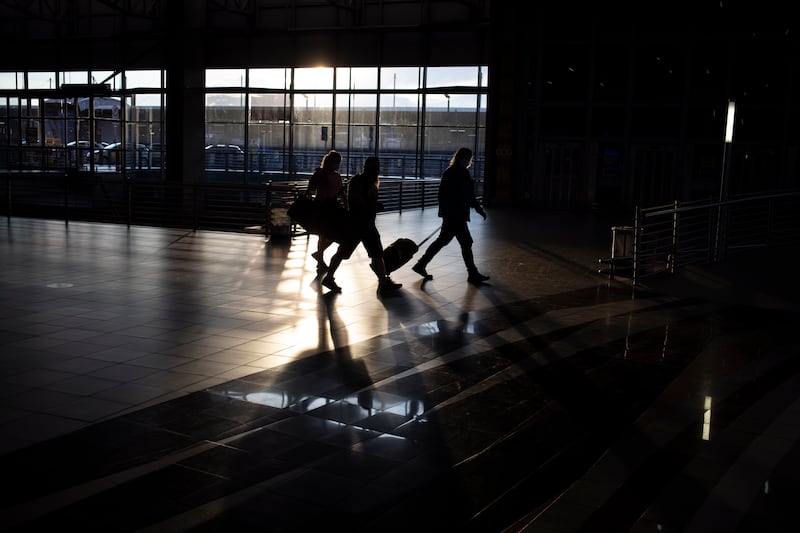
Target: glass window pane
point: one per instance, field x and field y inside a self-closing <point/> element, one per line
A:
<point x="54" y="107"/>
<point x="313" y="133"/>
<point x="355" y="118"/>
<point x="41" y="80"/>
<point x="394" y="78"/>
<point x="269" y="107"/>
<point x="353" y="101"/>
<point x="142" y="79"/>
<point x="456" y="103"/>
<point x="224" y="107"/>
<point x="151" y="100"/>
<point x="266" y="152"/>
<point x="269" y="78"/>
<point x="232" y="77"/>
<point x="79" y="77"/>
<point x="398" y="139"/>
<point x="319" y="78"/>
<point x="399" y="108"/>
<point x="357" y="78"/>
<point x="398" y="134"/>
<point x="452" y="77"/>
<point x="8" y="80"/>
<point x="107" y="76"/>
<point x="268" y="131"/>
<point x="309" y="107"/>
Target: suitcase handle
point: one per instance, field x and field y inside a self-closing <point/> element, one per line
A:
<point x="429" y="236"/>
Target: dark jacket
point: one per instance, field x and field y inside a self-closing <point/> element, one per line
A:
<point x="362" y="197"/>
<point x="456" y="194"/>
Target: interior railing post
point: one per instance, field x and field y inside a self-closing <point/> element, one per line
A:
<point x="8" y="195"/>
<point x="67" y="178"/>
<point x="129" y="210"/>
<point x="636" y="245"/>
<point x="673" y="256"/>
<point x="268" y="208"/>
<point x="195" y="207"/>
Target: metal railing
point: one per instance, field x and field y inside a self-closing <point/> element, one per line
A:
<point x="113" y="198"/>
<point x="664" y="238"/>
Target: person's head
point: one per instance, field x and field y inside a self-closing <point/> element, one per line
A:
<point x="331" y="160"/>
<point x="372" y="166"/>
<point x="462" y="158"/>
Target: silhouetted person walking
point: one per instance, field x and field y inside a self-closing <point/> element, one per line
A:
<point x="362" y="199"/>
<point x="456" y="198"/>
<point x="327" y="188"/>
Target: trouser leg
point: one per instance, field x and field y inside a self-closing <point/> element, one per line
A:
<point x="469" y="259"/>
<point x="434" y="249"/>
<point x="336" y="260"/>
<point x="465" y="242"/>
<point x="379" y="267"/>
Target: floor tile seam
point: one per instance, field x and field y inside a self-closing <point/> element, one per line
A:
<point x="563" y="319"/>
<point x="743" y="467"/>
<point x="563" y="349"/>
<point x="725" y="386"/>
<point x="656" y="433"/>
<point x="207" y="511"/>
<point x="596" y="311"/>
<point x="465" y="351"/>
<point x="49" y="503"/>
<point x="490" y="343"/>
<point x="737" y="489"/>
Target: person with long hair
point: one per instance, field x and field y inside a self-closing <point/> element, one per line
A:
<point x="456" y="198"/>
<point x="327" y="189"/>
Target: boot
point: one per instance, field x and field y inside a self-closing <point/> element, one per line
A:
<point x="329" y="282"/>
<point x="476" y="278"/>
<point x="419" y="268"/>
<point x="321" y="266"/>
<point x="387" y="285"/>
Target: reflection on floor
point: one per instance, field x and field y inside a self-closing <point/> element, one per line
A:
<point x="168" y="380"/>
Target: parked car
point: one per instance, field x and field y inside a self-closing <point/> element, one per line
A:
<point x="112" y="154"/>
<point x="224" y="156"/>
<point x="84" y="148"/>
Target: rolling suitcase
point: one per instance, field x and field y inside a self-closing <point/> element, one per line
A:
<point x="401" y="251"/>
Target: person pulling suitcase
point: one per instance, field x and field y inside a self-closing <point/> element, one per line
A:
<point x="362" y="200"/>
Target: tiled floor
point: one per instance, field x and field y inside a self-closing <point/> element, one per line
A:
<point x="168" y="380"/>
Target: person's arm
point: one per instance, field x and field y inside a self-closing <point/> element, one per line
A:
<point x="313" y="183"/>
<point x="474" y="203"/>
<point x="342" y="193"/>
<point x="372" y="197"/>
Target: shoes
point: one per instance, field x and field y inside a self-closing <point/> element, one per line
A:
<point x="387" y="285"/>
<point x="419" y="269"/>
<point x="321" y="265"/>
<point x="476" y="278"/>
<point x="331" y="284"/>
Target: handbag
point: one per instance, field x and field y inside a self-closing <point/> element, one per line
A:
<point x="328" y="219"/>
<point x="304" y="212"/>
